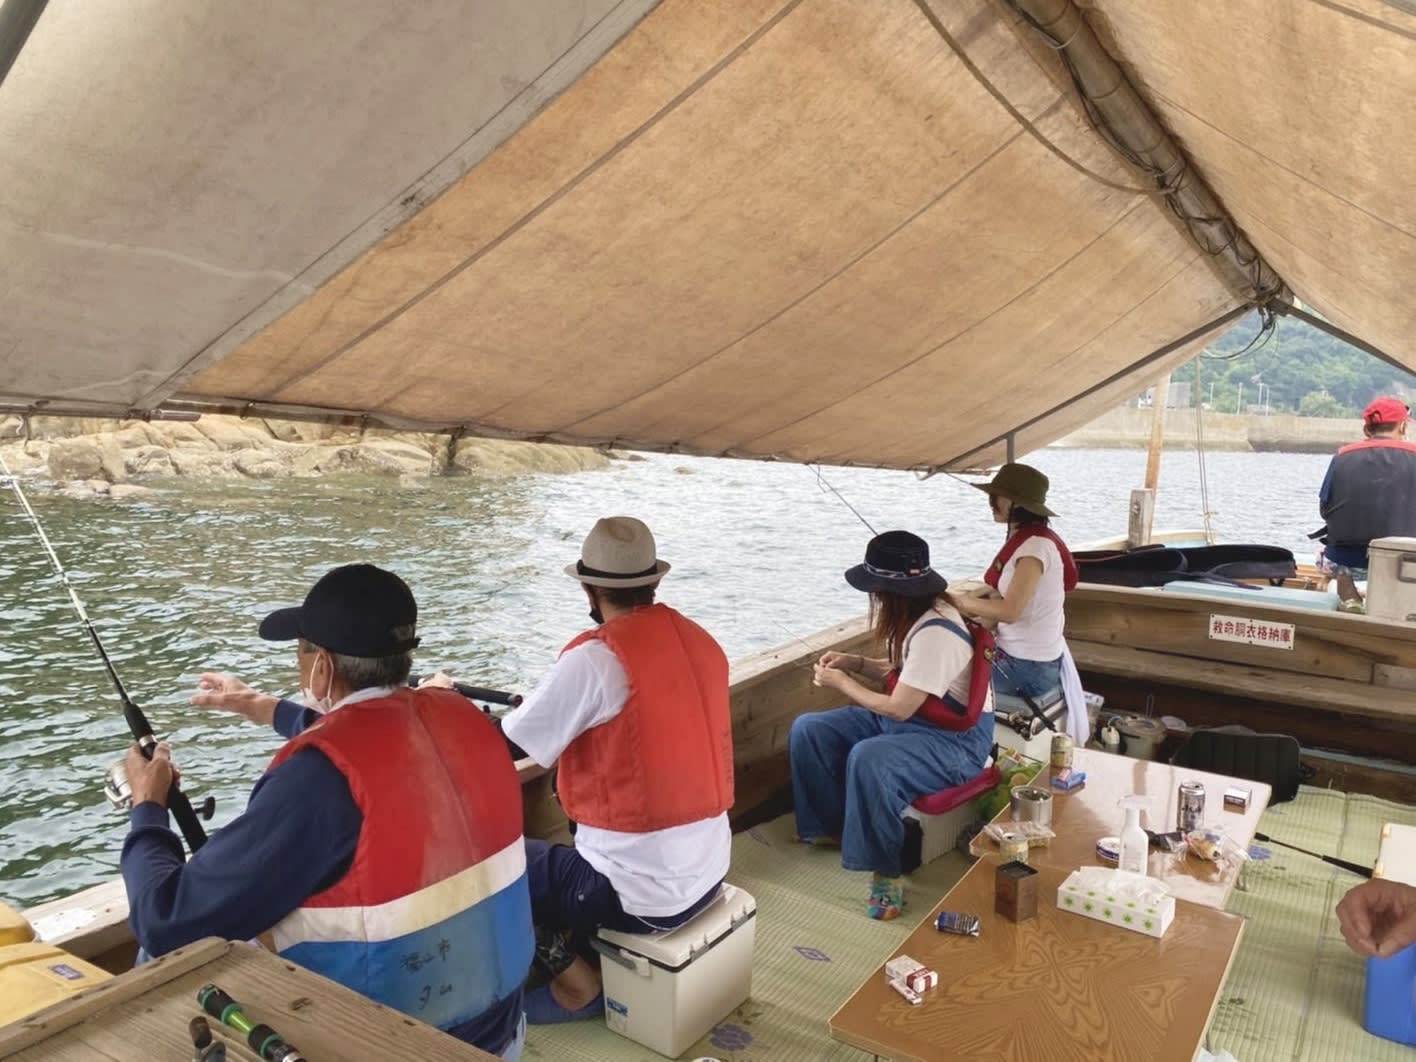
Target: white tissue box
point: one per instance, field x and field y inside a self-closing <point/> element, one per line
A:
<point x="1129" y="901"/>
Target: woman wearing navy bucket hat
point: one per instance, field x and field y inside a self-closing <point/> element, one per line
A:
<point x="855" y="769"/>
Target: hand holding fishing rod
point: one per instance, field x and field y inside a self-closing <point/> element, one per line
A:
<point x="177" y="802"/>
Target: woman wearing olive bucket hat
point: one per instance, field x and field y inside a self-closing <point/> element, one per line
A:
<point x="1028" y="581"/>
<point x="855" y="769"/>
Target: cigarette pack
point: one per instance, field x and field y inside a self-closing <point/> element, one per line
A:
<point x="1237" y="797"/>
<point x="923" y="980"/>
<point x="1068" y="778"/>
<point x="913" y="974"/>
<point x="900" y="967"/>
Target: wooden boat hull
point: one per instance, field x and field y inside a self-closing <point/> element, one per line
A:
<point x="1348" y="684"/>
<point x="1342" y="682"/>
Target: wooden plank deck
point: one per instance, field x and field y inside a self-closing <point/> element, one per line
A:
<point x="144" y="1014"/>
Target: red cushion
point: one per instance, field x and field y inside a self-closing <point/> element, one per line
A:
<point x="948" y="799"/>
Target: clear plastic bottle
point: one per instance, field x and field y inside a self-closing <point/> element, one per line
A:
<point x="1135" y="845"/>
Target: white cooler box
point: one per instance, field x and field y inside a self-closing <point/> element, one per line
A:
<point x="1391" y="579"/>
<point x="665" y="990"/>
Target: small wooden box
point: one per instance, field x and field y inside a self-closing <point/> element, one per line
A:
<point x="1015" y="891"/>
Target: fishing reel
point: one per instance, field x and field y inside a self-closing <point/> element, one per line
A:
<point x="120" y="793"/>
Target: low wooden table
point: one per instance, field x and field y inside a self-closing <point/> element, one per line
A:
<point x="1059" y="987"/>
<point x="144" y="1014"/>
<point x="1092" y="811"/>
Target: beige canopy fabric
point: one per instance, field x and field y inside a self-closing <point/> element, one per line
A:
<point x="877" y="233"/>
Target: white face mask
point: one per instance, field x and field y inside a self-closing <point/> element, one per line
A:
<point x="320" y="704"/>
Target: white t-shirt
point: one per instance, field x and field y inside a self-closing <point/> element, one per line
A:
<point x="655" y="874"/>
<point x="937" y="660"/>
<point x="1037" y="633"/>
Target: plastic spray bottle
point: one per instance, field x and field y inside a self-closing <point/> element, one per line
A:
<point x="1135" y="845"/>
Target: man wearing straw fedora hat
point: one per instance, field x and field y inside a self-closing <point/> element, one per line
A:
<point x="635" y="715"/>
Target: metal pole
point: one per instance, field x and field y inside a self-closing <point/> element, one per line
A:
<point x="1116" y="377"/>
<point x="1011" y="453"/>
<point x="1339" y="333"/>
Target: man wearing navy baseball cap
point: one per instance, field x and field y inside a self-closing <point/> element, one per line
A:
<point x="387" y="825"/>
<point x="1369" y="492"/>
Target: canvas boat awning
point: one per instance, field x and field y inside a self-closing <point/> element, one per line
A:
<point x="880" y="233"/>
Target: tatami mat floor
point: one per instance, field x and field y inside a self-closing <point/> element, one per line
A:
<point x="1294" y="993"/>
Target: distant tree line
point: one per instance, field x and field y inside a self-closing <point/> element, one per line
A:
<point x="1298" y="370"/>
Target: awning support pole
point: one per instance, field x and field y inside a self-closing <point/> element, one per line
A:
<point x="1156" y="355"/>
<point x="1338" y="333"/>
<point x="1011" y="453"/>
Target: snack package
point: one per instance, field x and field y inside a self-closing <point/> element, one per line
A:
<point x="1212" y="844"/>
<point x="1036" y="833"/>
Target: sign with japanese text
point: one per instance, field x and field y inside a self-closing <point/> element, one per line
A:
<point x="1250" y="631"/>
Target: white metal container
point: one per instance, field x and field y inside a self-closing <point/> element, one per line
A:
<point x="1391" y="579"/>
<point x="665" y="990"/>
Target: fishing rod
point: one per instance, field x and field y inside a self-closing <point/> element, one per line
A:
<point x="187" y="818"/>
<point x="478" y="693"/>
<point x="1355" y="868"/>
<point x="491" y="696"/>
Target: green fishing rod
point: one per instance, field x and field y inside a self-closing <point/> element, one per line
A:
<point x="187" y="819"/>
<point x="261" y="1038"/>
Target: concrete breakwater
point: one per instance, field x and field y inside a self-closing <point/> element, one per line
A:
<point x="116" y="458"/>
<point x="1277" y="432"/>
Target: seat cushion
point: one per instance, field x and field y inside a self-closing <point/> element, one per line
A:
<point x="948" y="799"/>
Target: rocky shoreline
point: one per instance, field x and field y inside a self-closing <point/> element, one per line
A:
<point x="116" y="458"/>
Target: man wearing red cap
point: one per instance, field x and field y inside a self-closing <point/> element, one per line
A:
<point x="1369" y="492"/>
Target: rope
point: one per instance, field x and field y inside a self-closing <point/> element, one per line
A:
<point x="1014" y="113"/>
<point x="1169" y="182"/>
<point x="1205" y="512"/>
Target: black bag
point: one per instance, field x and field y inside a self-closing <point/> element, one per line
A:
<point x="1239" y="752"/>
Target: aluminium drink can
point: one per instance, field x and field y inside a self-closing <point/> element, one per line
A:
<point x="1061" y="752"/>
<point x="1190" y="807"/>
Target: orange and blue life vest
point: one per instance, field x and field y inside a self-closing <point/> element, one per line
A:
<point x="433" y="916"/>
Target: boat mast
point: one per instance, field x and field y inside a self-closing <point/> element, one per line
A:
<point x="1142" y="512"/>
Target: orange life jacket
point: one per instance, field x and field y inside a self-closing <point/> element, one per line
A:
<point x="440" y="858"/>
<point x="946" y="712"/>
<point x="667" y="758"/>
